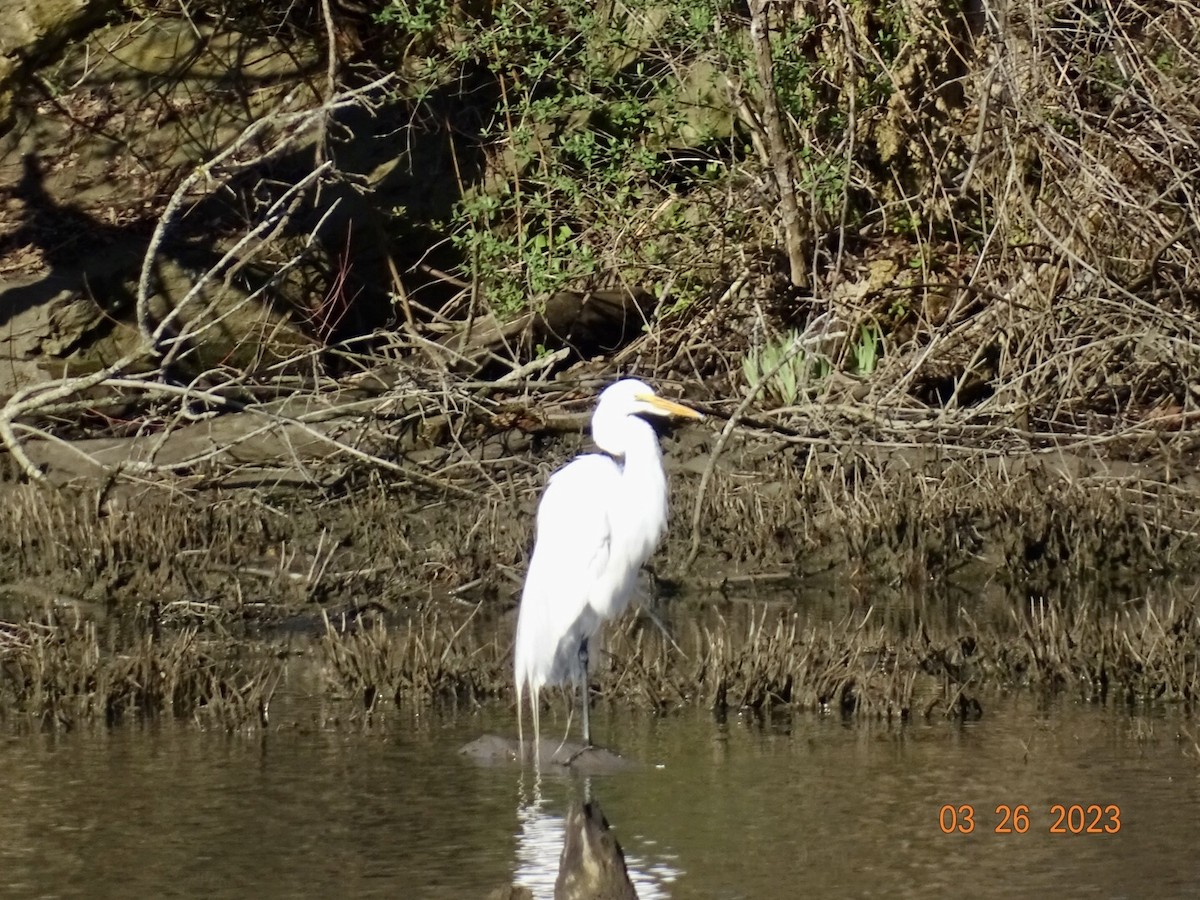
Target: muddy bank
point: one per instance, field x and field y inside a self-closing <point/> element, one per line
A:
<point x="733" y="658"/>
<point x="856" y="515"/>
<point x="898" y="583"/>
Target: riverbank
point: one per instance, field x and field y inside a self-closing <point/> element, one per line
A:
<point x="869" y="580"/>
<point x="289" y="361"/>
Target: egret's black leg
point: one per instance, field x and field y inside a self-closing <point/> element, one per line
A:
<point x="583" y="692"/>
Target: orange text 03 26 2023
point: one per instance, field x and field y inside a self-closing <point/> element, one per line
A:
<point x="1020" y="818"/>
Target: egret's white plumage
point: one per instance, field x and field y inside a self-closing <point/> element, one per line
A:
<point x="600" y="518"/>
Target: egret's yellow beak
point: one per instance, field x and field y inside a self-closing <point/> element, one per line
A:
<point x="670" y="408"/>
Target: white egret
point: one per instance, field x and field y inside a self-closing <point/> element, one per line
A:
<point x="599" y="518"/>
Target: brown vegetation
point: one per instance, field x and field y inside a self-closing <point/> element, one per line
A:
<point x="62" y="673"/>
<point x="287" y="367"/>
<point x="765" y="658"/>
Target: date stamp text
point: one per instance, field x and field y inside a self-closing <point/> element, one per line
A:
<point x="1019" y="818"/>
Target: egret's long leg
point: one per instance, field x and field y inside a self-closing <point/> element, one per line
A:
<point x="536" y="713"/>
<point x="520" y="727"/>
<point x="583" y="692"/>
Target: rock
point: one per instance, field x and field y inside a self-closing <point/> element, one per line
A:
<point x="85" y="177"/>
<point x="553" y="754"/>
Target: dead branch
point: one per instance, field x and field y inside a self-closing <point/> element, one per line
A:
<point x="780" y="152"/>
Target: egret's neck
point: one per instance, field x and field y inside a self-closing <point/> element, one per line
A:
<point x="643" y="484"/>
<point x="641" y="450"/>
<point x="631" y="441"/>
<point x="638" y="508"/>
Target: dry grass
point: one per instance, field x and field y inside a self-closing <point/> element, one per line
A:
<point x="1141" y="654"/>
<point x="60" y="675"/>
<point x="1016" y="218"/>
<point x="736" y="657"/>
<point x="435" y="658"/>
<point x="866" y="517"/>
<point x="764" y="658"/>
<point x="1008" y="195"/>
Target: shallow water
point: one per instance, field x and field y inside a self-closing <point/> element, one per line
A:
<point x="808" y="805"/>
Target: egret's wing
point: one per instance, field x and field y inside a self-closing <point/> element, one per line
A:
<point x="570" y="557"/>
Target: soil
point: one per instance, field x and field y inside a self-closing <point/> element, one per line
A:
<point x="857" y="581"/>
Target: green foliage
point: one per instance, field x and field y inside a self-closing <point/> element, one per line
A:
<point x="898" y="309"/>
<point x="586" y="108"/>
<point x="891" y="34"/>
<point x="823" y="178"/>
<point x="866" y="351"/>
<point x="578" y="186"/>
<point x="797" y="73"/>
<point x="784" y="368"/>
<point x="418" y="18"/>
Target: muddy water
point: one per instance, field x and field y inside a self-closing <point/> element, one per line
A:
<point x="809" y="806"/>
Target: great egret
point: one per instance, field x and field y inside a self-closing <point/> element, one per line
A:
<point x="600" y="517"/>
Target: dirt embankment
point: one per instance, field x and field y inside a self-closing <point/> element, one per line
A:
<point x="867" y="579"/>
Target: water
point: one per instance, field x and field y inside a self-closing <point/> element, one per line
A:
<point x="809" y="806"/>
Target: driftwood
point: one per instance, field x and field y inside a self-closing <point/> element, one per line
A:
<point x="585" y="323"/>
<point x="279" y="440"/>
<point x="592" y="865"/>
<point x="311" y="435"/>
